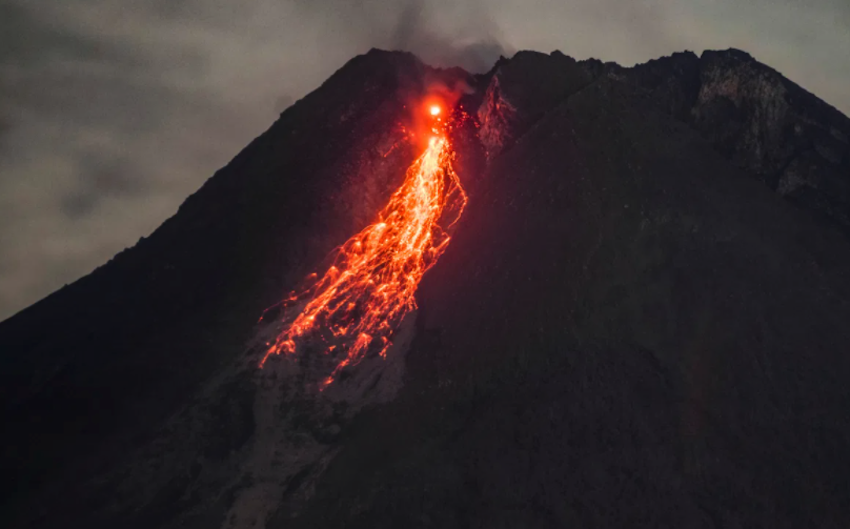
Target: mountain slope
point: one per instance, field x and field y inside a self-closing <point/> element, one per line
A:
<point x="640" y="320"/>
<point x="626" y="331"/>
<point x="91" y="371"/>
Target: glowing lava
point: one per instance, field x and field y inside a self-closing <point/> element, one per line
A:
<point x="359" y="302"/>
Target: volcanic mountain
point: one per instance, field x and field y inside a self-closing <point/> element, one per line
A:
<point x="637" y="316"/>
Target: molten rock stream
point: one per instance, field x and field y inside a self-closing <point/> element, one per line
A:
<point x="357" y="305"/>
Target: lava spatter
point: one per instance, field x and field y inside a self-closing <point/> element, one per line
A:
<point x="357" y="305"/>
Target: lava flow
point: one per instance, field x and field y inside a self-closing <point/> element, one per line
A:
<point x="359" y="302"/>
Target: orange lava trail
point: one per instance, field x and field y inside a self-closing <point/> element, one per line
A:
<point x="363" y="297"/>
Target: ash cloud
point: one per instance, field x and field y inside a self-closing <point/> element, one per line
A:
<point x="480" y="47"/>
<point x="111" y="113"/>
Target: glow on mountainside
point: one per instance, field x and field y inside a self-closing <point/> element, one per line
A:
<point x="361" y="299"/>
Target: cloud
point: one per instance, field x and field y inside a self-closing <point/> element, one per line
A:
<point x="83" y="117"/>
<point x="479" y="47"/>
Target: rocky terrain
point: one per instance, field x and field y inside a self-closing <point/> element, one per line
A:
<point x="640" y="320"/>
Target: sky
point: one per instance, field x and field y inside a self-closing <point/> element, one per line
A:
<point x="113" y="112"/>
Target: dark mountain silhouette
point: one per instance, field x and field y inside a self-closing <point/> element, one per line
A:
<point x="641" y="320"/>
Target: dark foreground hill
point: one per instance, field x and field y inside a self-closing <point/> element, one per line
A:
<point x="641" y="320"/>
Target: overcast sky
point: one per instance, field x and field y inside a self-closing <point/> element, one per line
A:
<point x="113" y="112"/>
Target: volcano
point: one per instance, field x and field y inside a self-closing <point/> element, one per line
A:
<point x="559" y="294"/>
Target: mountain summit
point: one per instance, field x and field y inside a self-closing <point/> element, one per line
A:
<point x="640" y="318"/>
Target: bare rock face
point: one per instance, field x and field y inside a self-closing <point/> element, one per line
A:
<point x="743" y="108"/>
<point x="497" y="117"/>
<point x="520" y="91"/>
<point x="780" y="134"/>
<point x="785" y="136"/>
<point x="671" y="84"/>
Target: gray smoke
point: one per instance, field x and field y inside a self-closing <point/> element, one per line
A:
<point x="477" y="48"/>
